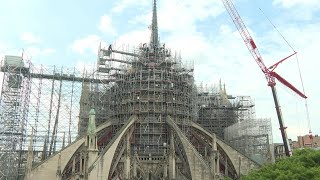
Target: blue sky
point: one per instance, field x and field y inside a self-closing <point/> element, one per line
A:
<point x="68" y="33"/>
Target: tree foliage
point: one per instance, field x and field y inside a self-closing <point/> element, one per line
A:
<point x="303" y="165"/>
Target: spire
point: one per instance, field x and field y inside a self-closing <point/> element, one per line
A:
<point x="154" y="26"/>
<point x="91" y="138"/>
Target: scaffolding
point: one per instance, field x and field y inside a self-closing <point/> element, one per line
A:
<point x="244" y="108"/>
<point x="48" y="106"/>
<point x="14" y="105"/>
<point x="42" y="99"/>
<point x="233" y="119"/>
<point x="151" y="83"/>
<point x="253" y="137"/>
<point x="216" y="109"/>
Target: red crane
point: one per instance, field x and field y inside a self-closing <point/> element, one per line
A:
<point x="268" y="72"/>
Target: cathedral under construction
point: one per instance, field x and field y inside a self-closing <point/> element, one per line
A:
<point x="139" y="115"/>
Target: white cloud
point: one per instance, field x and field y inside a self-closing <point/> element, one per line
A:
<point x="106" y="25"/>
<point x="195" y="11"/>
<point x="200" y="10"/>
<point x="32" y="51"/>
<point x="30" y="38"/>
<point x="9" y="49"/>
<point x="87" y="67"/>
<point x="121" y="5"/>
<point x="90" y="43"/>
<point x="304" y="10"/>
<point x="292" y="3"/>
<point x="133" y="38"/>
<point x="177" y="15"/>
<point x="48" y="51"/>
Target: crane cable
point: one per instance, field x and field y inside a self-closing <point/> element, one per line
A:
<point x="305" y="100"/>
<point x="301" y="80"/>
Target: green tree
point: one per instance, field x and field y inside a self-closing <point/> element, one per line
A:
<point x="303" y="165"/>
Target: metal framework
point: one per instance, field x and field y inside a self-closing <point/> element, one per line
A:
<point x="145" y="81"/>
<point x="14" y="105"/>
<point x="233" y="118"/>
<point x="218" y="110"/>
<point x="47" y="108"/>
<point x="41" y="99"/>
<point x="252" y="137"/>
<point x="150" y="82"/>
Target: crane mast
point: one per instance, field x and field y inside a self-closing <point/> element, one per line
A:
<point x="269" y="73"/>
